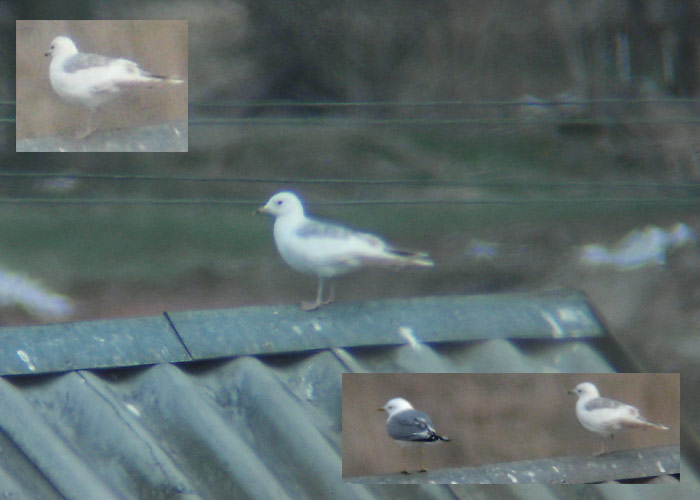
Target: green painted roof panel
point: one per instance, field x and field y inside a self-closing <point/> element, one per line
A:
<point x="255" y="330"/>
<point x="90" y="344"/>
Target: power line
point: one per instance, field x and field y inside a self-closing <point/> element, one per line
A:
<point x="525" y="102"/>
<point x="420" y="121"/>
<point x="435" y="104"/>
<point x="498" y="103"/>
<point x="402" y="202"/>
<point x="124" y="201"/>
<point x="351" y="181"/>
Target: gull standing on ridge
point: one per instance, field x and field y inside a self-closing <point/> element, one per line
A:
<point x="328" y="250"/>
<point x="407" y="426"/>
<point x="607" y="416"/>
<point x="91" y="79"/>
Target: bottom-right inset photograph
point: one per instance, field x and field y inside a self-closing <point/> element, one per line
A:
<point x="511" y="428"/>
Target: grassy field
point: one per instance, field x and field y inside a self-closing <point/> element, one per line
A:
<point x="155" y="245"/>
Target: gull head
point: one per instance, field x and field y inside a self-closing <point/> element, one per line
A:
<point x="585" y="390"/>
<point x="61" y="46"/>
<point x="395" y="405"/>
<point x="284" y="203"/>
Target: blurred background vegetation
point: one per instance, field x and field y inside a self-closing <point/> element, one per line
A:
<point x="526" y="129"/>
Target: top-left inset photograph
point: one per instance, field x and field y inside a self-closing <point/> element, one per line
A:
<point x="102" y="86"/>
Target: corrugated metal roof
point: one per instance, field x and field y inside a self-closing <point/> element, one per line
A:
<point x="262" y="419"/>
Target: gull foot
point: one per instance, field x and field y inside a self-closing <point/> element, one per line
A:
<point x="310" y="306"/>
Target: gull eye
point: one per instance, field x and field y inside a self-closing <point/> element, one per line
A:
<point x="279" y="202"/>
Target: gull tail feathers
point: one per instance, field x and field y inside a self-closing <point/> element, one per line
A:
<point x="168" y="79"/>
<point x="172" y="80"/>
<point x="147" y="81"/>
<point x="660" y="427"/>
<point x="408" y="257"/>
<point x="163" y="78"/>
<point x="641" y="422"/>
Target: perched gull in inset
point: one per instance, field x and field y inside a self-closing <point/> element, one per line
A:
<point x="328" y="250"/>
<point x="91" y="79"/>
<point x="408" y="426"/>
<point x="607" y="416"/>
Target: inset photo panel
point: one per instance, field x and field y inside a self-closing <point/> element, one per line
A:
<point x="511" y="428"/>
<point x="102" y="86"/>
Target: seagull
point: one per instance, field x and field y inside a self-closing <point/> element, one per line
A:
<point x="607" y="416"/>
<point x="91" y="79"/>
<point x="408" y="426"/>
<point x="328" y="250"/>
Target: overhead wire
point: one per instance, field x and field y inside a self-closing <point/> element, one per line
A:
<point x="525" y="102"/>
<point x="531" y="103"/>
<point x="421" y="121"/>
<point x="404" y="122"/>
<point x="352" y="120"/>
<point x="353" y="181"/>
<point x="454" y="102"/>
<point x="344" y="203"/>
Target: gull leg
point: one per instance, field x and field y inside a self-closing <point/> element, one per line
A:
<point x="331" y="296"/>
<point x="403" y="459"/>
<point x="602" y="448"/>
<point x="89" y="130"/>
<point x="422" y="468"/>
<point x="310" y="306"/>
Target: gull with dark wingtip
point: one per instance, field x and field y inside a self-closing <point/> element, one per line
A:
<point x="329" y="250"/>
<point x="408" y="426"/>
<point x="606" y="416"/>
<point x="92" y="79"/>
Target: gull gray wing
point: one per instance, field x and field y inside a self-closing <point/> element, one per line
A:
<point x="79" y="62"/>
<point x="601" y="403"/>
<point x="411" y="425"/>
<point x="318" y="229"/>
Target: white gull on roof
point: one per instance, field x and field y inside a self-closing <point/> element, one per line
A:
<point x="328" y="250"/>
<point x="606" y="416"/>
<point x="92" y="79"/>
<point x="406" y="425"/>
